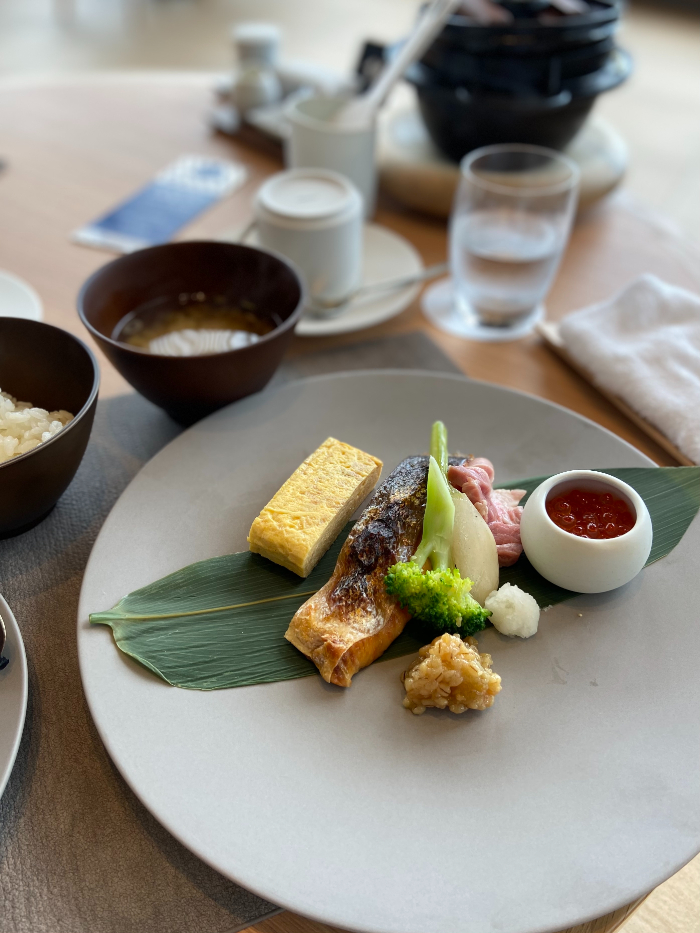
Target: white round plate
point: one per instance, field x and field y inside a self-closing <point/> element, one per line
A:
<point x="576" y="793"/>
<point x="385" y="256"/>
<point x="18" y="299"/>
<point x="13" y="695"/>
<point x="439" y="306"/>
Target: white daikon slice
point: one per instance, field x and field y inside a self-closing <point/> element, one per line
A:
<point x="474" y="548"/>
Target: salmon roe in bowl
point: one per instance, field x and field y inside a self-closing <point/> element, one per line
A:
<point x="591" y="514"/>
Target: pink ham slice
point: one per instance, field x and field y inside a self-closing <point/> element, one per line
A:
<point x="498" y="507"/>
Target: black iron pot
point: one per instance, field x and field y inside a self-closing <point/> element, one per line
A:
<point x="533" y="80"/>
<point x="459" y="119"/>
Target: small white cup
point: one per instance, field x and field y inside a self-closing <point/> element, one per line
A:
<point x="314" y="218"/>
<point x="585" y="565"/>
<point x="315" y="141"/>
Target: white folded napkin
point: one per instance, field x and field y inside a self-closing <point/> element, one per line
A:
<point x="644" y="346"/>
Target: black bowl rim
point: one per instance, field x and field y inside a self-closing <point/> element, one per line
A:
<point x="83" y="411"/>
<point x="612" y="74"/>
<point x="291" y="321"/>
<point x="612" y="10"/>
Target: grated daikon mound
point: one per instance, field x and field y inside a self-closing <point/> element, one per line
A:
<point x="513" y="612"/>
<point x="23" y="427"/>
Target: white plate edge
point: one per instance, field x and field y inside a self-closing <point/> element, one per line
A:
<point x="11" y="624"/>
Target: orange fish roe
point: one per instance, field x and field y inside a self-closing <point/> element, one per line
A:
<point x="591" y="514"/>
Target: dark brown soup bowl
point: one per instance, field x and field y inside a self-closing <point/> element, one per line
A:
<point x="190" y="387"/>
<point x="51" y="369"/>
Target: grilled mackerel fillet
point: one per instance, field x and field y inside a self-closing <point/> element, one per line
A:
<point x="352" y="619"/>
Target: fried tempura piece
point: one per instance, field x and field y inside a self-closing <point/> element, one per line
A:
<point x="450" y="673"/>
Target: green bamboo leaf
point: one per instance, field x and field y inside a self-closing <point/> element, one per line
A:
<point x="221" y="622"/>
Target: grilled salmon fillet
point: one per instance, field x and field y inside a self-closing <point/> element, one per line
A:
<point x="350" y="621"/>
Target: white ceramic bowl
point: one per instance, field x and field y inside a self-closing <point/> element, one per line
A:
<point x="586" y="565"/>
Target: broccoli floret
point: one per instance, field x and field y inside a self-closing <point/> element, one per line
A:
<point x="439" y="598"/>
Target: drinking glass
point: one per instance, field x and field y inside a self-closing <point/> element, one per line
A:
<point x="509" y="226"/>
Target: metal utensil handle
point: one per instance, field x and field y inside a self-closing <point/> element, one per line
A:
<point x="246" y="232"/>
<point x="329" y="310"/>
<point x="430" y="272"/>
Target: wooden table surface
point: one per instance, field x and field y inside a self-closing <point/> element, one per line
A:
<point x="74" y="147"/>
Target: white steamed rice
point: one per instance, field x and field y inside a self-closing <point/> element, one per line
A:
<point x="23" y="427"/>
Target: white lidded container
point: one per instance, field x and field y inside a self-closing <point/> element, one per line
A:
<point x="313" y="217"/>
<point x="585" y="565"/>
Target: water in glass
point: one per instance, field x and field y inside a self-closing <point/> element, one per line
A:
<point x="503" y="262"/>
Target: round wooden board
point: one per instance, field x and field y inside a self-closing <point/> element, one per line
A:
<point x="418" y="175"/>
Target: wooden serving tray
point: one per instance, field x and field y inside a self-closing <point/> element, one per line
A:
<point x="550" y="334"/>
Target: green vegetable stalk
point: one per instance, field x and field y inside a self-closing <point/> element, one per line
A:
<point x="438" y="446"/>
<point x="439" y="596"/>
<point x="438" y="522"/>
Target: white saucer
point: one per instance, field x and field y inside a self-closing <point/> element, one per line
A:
<point x="17" y="299"/>
<point x="386" y="255"/>
<point x="441" y="309"/>
<point x="13" y="695"/>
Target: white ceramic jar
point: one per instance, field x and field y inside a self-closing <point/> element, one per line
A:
<point x="585" y="565"/>
<point x="314" y="218"/>
<point x="315" y="140"/>
<point x="256" y="83"/>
